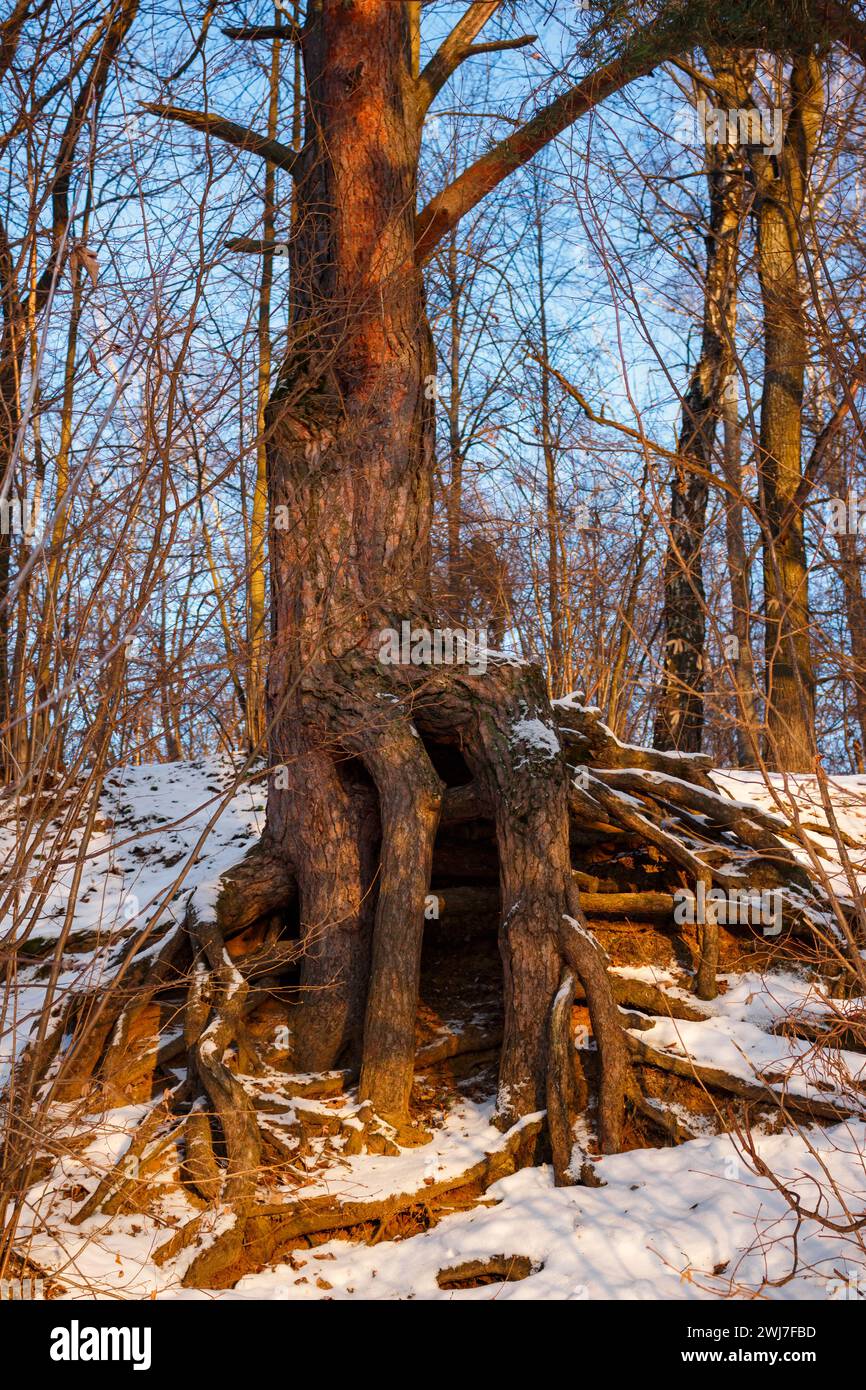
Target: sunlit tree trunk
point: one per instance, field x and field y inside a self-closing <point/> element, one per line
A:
<point x="254" y="711"/>
<point x="780" y="197"/>
<point x="350" y="462"/>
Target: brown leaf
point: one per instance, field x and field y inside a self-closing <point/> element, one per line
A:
<point x="82" y="257"/>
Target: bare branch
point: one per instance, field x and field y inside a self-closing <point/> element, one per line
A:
<point x="823" y="440"/>
<point x="10" y="32"/>
<point x="453" y="50"/>
<point x="672" y="455"/>
<point x="256" y="246"/>
<point x="287" y="31"/>
<point x="646" y="49"/>
<point x="199" y="43"/>
<point x="221" y="129"/>
<point x="112" y="33"/>
<point x="571" y="390"/>
<point x="500" y="45"/>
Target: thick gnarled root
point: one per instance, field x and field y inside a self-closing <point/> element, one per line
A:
<point x="271" y="1229"/>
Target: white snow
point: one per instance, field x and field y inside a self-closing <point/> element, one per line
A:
<point x="798" y="798"/>
<point x="538" y="736"/>
<point x="664" y="1222"/>
<point x="138" y="873"/>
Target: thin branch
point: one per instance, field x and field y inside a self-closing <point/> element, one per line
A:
<point x="500" y="45"/>
<point x="451" y="52"/>
<point x="679" y="459"/>
<point x="113" y="31"/>
<point x="199" y="43"/>
<point x="845" y="26"/>
<point x="646" y="50"/>
<point x="10" y="31"/>
<point x="823" y="440"/>
<point x="596" y="419"/>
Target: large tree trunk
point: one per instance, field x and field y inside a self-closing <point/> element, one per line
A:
<point x="351" y="451"/>
<point x="350" y="466"/>
<point x="780" y="196"/>
<point x="680" y="720"/>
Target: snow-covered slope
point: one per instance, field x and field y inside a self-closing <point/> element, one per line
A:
<point x="689" y="1222"/>
<point x="168" y="829"/>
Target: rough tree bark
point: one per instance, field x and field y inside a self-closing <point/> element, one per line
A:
<point x="680" y="719"/>
<point x="350" y="466"/>
<point x="350" y="469"/>
<point x="781" y="186"/>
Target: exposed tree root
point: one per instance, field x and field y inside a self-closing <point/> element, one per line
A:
<point x="647" y="904"/>
<point x="470" y="1039"/>
<point x="562" y="1099"/>
<point x="493" y="1269"/>
<point x="147" y="1141"/>
<point x="275" y="1228"/>
<point x="200" y="1169"/>
<point x="638" y="994"/>
<point x="659" y="825"/>
<point x="589" y="741"/>
<point x="230" y="1101"/>
<point x="713" y="1078"/>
